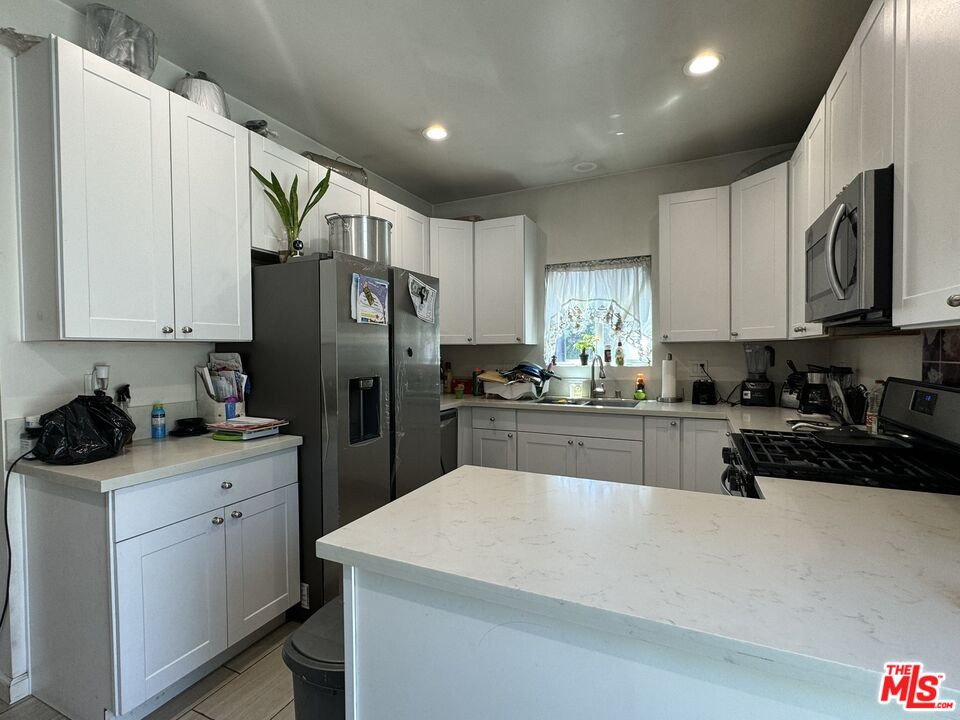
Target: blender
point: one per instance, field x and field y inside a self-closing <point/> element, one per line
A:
<point x="757" y="389"/>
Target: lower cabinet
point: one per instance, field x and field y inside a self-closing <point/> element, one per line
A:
<point x="495" y="449"/>
<point x="702" y="442"/>
<point x="661" y="439"/>
<point x="585" y="457"/>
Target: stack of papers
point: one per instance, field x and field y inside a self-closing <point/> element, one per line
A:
<point x="246" y="428"/>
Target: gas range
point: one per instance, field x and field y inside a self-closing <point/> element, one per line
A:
<point x="918" y="448"/>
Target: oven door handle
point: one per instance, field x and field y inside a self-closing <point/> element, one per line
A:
<point x="723" y="481"/>
<point x="833" y="277"/>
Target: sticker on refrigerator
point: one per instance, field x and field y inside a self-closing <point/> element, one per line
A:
<point x="424" y="299"/>
<point x="368" y="300"/>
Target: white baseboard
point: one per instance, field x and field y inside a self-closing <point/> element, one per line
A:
<point x="14" y="690"/>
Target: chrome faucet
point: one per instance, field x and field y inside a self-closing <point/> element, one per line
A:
<point x="595" y="390"/>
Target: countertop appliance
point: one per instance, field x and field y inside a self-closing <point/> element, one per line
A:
<point x="849" y="254"/>
<point x="704" y="392"/>
<point x="815" y="395"/>
<point x="758" y="389"/>
<point x="918" y="447"/>
<point x="365" y="397"/>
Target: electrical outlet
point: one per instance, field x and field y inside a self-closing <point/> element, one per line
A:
<point x="698" y="368"/>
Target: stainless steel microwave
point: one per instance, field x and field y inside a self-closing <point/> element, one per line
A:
<point x="849" y="254"/>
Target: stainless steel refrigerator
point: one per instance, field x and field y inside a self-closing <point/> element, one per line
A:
<point x="365" y="397"/>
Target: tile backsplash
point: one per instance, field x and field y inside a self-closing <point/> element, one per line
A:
<point x="941" y="356"/>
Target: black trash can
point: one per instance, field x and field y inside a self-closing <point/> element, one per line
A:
<point x="314" y="653"/>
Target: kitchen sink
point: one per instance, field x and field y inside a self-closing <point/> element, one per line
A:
<point x="562" y="401"/>
<point x="612" y="403"/>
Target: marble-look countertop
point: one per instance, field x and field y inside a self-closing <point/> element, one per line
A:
<point x="148" y="460"/>
<point x="754" y="418"/>
<point x="818" y="579"/>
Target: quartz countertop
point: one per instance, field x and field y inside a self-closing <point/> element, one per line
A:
<point x="755" y="418"/>
<point x="830" y="581"/>
<point x="148" y="460"/>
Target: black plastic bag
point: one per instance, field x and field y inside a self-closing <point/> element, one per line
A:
<point x="86" y="429"/>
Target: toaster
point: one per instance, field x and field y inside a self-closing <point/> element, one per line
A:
<point x="704" y="392"/>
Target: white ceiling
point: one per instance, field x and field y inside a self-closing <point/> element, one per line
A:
<point x="527" y="88"/>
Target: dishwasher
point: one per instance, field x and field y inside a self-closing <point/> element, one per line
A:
<point x="448" y="441"/>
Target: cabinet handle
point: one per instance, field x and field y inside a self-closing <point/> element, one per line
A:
<point x="217" y="520"/>
<point x="664" y="336"/>
<point x="469" y="339"/>
<point x="580" y="443"/>
<point x="569" y="442"/>
<point x="953" y="301"/>
<point x="727" y="433"/>
<point x="519" y="339"/>
<point x="673" y="423"/>
<point x="798" y="328"/>
<point x="509" y="435"/>
<point x="226" y="484"/>
<point x="186" y="329"/>
<point x="166" y="329"/>
<point x="734" y="334"/>
<point x="236" y="514"/>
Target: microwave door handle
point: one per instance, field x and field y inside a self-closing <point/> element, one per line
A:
<point x="830" y="258"/>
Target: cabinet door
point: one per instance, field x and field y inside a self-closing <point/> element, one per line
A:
<point x="875" y="48"/>
<point x="116" y="237"/>
<point x="267" y="229"/>
<point x="843" y="124"/>
<point x="702" y="443"/>
<point x="171" y="604"/>
<point x="498" y="277"/>
<point x="211" y="224"/>
<point x="495" y="449"/>
<point x="758" y="256"/>
<point x="661" y="452"/>
<point x="451" y="260"/>
<point x="816" y="142"/>
<point x="547" y="454"/>
<point x="414" y="247"/>
<point x="926" y="288"/>
<point x="613" y="460"/>
<point x="390" y="210"/>
<point x="695" y="265"/>
<point x="263" y="560"/>
<point x="343" y="196"/>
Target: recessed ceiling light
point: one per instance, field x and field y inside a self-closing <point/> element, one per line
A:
<point x="615" y="116"/>
<point x="585" y="166"/>
<point x="702" y="64"/>
<point x="619" y="132"/>
<point x="435" y="132"/>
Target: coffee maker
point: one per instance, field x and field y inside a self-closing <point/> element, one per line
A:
<point x="757" y="389"/>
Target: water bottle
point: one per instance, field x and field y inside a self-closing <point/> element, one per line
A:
<point x="873" y="407"/>
<point x="158" y="422"/>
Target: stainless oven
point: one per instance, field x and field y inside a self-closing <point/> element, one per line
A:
<point x="849" y="254"/>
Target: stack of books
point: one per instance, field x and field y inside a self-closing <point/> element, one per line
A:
<point x="246" y="428"/>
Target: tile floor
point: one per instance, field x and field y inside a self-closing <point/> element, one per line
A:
<point x="255" y="685"/>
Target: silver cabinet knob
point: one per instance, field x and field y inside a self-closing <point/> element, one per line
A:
<point x="166" y="329"/>
<point x="236" y="514"/>
<point x="217" y="520"/>
<point x="798" y="329"/>
<point x="953" y="301"/>
<point x="664" y="336"/>
<point x="226" y="484"/>
<point x="673" y="423"/>
<point x="580" y="443"/>
<point x="734" y="334"/>
<point x="509" y="435"/>
<point x="186" y="329"/>
<point x="519" y="339"/>
<point x="569" y="442"/>
<point x="469" y="339"/>
<point x="493" y="419"/>
<point x="727" y="433"/>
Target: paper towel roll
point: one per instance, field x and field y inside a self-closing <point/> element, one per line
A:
<point x="668" y="373"/>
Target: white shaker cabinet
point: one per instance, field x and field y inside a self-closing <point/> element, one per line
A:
<point x="344" y="196"/>
<point x="694" y="258"/>
<point x="268" y="232"/>
<point x="451" y="260"/>
<point x="926" y="281"/>
<point x="509" y="258"/>
<point x="390" y="210"/>
<point x="495" y="449"/>
<point x="661" y="440"/>
<point x="94" y="152"/>
<point x="702" y="457"/>
<point x="171" y="599"/>
<point x="546" y="453"/>
<point x="413" y="250"/>
<point x="875" y="44"/>
<point x="610" y="459"/>
<point x="211" y="224"/>
<point x="758" y="255"/>
<point x="842" y="106"/>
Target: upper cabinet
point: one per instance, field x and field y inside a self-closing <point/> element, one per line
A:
<point x="122" y="183"/>
<point x="842" y="104"/>
<point x="383" y="207"/>
<point x="451" y="260"/>
<point x="344" y="197"/>
<point x="694" y="259"/>
<point x="269" y="157"/>
<point x="509" y="256"/>
<point x="211" y="224"/>
<point x="875" y="46"/>
<point x="412" y="252"/>
<point x="926" y="288"/>
<point x="758" y="255"/>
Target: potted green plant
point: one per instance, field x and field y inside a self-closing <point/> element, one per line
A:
<point x="288" y="208"/>
<point x="587" y="342"/>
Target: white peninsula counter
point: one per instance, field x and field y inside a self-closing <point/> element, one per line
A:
<point x="501" y="594"/>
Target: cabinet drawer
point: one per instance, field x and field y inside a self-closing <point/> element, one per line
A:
<point x="152" y="505"/>
<point x="494" y="419"/>
<point x="597" y="425"/>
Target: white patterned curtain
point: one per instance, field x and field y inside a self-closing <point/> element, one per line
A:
<point x="609" y="300"/>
